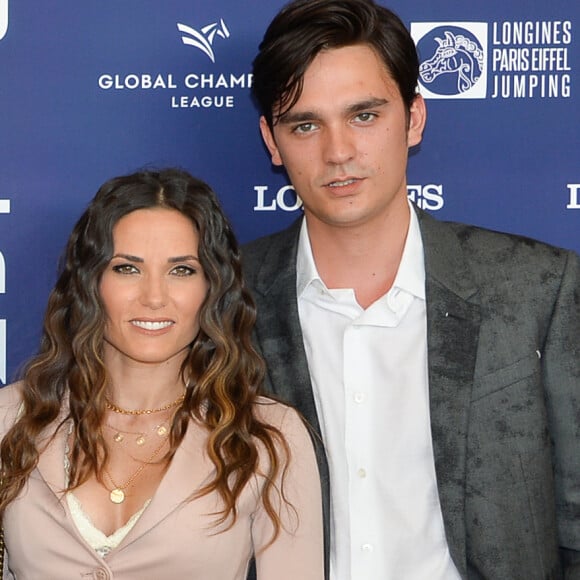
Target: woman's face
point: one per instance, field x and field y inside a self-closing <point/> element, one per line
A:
<point x="152" y="289"/>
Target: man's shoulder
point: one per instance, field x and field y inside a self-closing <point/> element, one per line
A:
<point x="465" y="256"/>
<point x="505" y="246"/>
<point x="273" y="248"/>
<point x="260" y="245"/>
<point x="485" y="245"/>
<point x="263" y="243"/>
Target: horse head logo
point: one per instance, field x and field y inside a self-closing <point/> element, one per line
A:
<point x="455" y="55"/>
<point x="204" y="39"/>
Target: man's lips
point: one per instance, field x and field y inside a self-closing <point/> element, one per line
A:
<point x="343" y="182"/>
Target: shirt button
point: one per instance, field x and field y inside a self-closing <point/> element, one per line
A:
<point x="367" y="548"/>
<point x="362" y="473"/>
<point x="359" y="397"/>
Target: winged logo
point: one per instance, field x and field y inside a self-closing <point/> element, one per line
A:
<point x="203" y="39"/>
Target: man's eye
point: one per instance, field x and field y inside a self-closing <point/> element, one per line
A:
<point x="365" y="117"/>
<point x="304" y="128"/>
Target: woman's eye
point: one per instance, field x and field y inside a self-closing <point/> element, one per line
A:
<point x="125" y="269"/>
<point x="184" y="271"/>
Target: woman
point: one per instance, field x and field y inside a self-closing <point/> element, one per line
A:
<point x="136" y="445"/>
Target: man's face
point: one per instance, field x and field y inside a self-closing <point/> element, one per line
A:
<point x="345" y="142"/>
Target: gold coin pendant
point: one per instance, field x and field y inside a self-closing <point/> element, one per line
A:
<point x="117" y="495"/>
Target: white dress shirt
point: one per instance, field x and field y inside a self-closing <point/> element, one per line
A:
<point x="369" y="376"/>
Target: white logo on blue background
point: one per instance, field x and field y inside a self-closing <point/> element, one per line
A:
<point x="203" y="39"/>
<point x="3" y="18"/>
<point x="453" y="59"/>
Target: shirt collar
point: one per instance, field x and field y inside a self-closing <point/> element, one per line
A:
<point x="410" y="275"/>
<point x="306" y="272"/>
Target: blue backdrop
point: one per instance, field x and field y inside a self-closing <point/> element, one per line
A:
<point x="89" y="90"/>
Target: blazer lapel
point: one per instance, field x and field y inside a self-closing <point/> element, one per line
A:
<point x="279" y="335"/>
<point x="453" y="320"/>
<point x="51" y="460"/>
<point x="51" y="466"/>
<point x="189" y="469"/>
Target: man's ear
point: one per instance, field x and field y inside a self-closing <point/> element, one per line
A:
<point x="270" y="142"/>
<point x="417" y="120"/>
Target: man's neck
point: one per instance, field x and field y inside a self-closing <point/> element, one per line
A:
<point x="365" y="258"/>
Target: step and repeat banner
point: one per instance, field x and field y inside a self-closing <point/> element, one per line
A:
<point x="90" y="90"/>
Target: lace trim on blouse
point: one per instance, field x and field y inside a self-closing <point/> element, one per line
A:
<point x="99" y="541"/>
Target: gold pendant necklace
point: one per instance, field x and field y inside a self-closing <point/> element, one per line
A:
<point x="161" y="430"/>
<point x="117" y="494"/>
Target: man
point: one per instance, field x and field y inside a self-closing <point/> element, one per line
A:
<point x="439" y="362"/>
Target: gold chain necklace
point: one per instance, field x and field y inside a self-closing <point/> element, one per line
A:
<point x="117" y="494"/>
<point x="116" y="409"/>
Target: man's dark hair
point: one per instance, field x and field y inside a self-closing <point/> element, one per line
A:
<point x="303" y="28"/>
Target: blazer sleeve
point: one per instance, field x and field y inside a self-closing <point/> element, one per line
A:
<point x="561" y="368"/>
<point x="10" y="402"/>
<point x="297" y="552"/>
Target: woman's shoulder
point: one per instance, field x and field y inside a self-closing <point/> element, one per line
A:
<point x="11" y="395"/>
<point x="10" y="402"/>
<point x="272" y="411"/>
<point x="280" y="415"/>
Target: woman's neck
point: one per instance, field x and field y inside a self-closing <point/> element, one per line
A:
<point x="138" y="386"/>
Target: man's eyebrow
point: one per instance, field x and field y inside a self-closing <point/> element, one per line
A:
<point x="371" y="103"/>
<point x="292" y="117"/>
<point x="298" y="117"/>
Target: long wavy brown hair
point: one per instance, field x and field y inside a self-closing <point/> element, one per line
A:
<point x="222" y="365"/>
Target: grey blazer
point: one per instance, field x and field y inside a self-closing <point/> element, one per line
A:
<point x="503" y="324"/>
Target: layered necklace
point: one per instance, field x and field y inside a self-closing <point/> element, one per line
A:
<point x="118" y="493"/>
<point x="112" y="407"/>
<point x="139" y="437"/>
